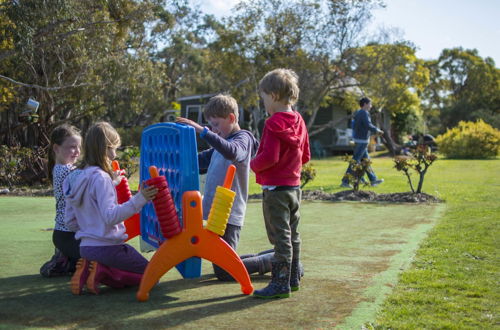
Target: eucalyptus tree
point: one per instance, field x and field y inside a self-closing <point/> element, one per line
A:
<point x="80" y="59"/>
<point x="395" y="79"/>
<point x="309" y="36"/>
<point x="180" y="36"/>
<point x="465" y="87"/>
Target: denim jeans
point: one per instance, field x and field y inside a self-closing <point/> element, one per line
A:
<point x="360" y="152"/>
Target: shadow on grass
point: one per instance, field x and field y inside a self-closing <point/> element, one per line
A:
<point x="32" y="300"/>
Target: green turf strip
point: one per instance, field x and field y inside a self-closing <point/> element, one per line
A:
<point x="352" y="253"/>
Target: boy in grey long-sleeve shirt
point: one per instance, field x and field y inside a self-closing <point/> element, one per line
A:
<point x="229" y="145"/>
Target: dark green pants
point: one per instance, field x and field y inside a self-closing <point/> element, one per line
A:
<point x="282" y="216"/>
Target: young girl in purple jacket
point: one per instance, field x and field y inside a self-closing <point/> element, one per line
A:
<point x="93" y="212"/>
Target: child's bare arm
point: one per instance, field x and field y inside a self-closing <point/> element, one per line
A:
<point x="181" y="120"/>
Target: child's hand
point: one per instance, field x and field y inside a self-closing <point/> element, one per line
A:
<point x="149" y="193"/>
<point x="181" y="120"/>
<point x="117" y="177"/>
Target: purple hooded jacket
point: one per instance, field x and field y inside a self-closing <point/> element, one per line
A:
<point x="92" y="210"/>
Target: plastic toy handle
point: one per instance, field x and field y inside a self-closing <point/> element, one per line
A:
<point x="153" y="171"/>
<point x="115" y="165"/>
<point x="228" y="181"/>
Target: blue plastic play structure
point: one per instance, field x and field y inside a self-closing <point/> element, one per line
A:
<point x="172" y="149"/>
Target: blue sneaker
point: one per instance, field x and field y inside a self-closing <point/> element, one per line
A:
<point x="376" y="182"/>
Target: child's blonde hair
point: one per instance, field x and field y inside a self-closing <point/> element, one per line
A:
<point x="58" y="136"/>
<point x="221" y="106"/>
<point x="98" y="139"/>
<point x="282" y="84"/>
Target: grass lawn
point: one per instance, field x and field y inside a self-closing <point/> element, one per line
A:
<point x="356" y="255"/>
<point x="453" y="282"/>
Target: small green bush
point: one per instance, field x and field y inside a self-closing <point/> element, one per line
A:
<point x="128" y="159"/>
<point x="358" y="170"/>
<point x="419" y="160"/>
<point x="307" y="174"/>
<point x="470" y="140"/>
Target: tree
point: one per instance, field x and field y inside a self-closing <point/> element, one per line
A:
<point x="77" y="58"/>
<point x="394" y="78"/>
<point x="310" y="37"/>
<point x="465" y="87"/>
<point x="7" y="91"/>
<point x="180" y="35"/>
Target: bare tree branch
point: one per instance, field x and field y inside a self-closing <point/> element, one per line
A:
<point x="15" y="82"/>
<point x="330" y="124"/>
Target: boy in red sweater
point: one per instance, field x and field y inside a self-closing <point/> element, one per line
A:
<point x="283" y="149"/>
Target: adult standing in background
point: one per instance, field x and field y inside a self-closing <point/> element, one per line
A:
<point x="362" y="129"/>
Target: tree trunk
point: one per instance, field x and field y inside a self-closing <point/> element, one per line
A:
<point x="421" y="180"/>
<point x="393" y="148"/>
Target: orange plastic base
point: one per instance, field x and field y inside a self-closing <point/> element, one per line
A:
<point x="193" y="241"/>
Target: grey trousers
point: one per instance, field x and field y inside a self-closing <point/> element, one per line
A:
<point x="282" y="216"/>
<point x="256" y="263"/>
<point x="232" y="237"/>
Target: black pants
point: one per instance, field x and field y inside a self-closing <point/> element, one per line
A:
<point x="65" y="242"/>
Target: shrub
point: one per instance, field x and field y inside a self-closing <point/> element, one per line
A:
<point x="419" y="161"/>
<point x="358" y="170"/>
<point x="129" y="160"/>
<point x="20" y="166"/>
<point x="307" y="174"/>
<point x="470" y="140"/>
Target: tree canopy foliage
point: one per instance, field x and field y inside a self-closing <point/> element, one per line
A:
<point x="464" y="87"/>
<point x="127" y="61"/>
<point x="81" y="60"/>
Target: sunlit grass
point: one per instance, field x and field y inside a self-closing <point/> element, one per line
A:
<point x="453" y="282"/>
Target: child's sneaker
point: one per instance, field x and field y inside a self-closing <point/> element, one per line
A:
<point x="58" y="265"/>
<point x="95" y="270"/>
<point x="80" y="276"/>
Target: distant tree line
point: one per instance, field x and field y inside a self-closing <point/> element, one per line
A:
<point x="127" y="61"/>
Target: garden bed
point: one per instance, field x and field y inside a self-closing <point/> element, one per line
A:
<point x="345" y="195"/>
<point x="364" y="196"/>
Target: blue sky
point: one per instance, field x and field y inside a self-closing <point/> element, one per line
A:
<point x="431" y="25"/>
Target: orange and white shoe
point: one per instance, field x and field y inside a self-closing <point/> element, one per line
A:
<point x="93" y="280"/>
<point x="79" y="278"/>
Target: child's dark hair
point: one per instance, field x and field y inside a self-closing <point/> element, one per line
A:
<point x="363" y="101"/>
<point x="221" y="106"/>
<point x="99" y="137"/>
<point x="58" y="136"/>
